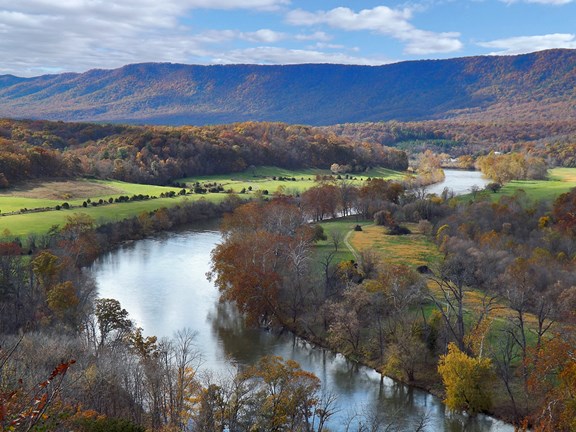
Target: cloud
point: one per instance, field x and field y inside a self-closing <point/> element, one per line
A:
<point x="276" y="55"/>
<point x="47" y="36"/>
<point x="383" y="20"/>
<point x="525" y="44"/>
<point x="264" y="35"/>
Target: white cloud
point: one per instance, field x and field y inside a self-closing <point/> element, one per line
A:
<point x="275" y="55"/>
<point x="525" y="44"/>
<point x="384" y="20"/>
<point x="264" y="35"/>
<point x="38" y="36"/>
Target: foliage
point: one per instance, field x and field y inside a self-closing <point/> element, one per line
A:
<point x="23" y="409"/>
<point x="466" y="381"/>
<point x="564" y="211"/>
<point x="159" y="155"/>
<point x="513" y="166"/>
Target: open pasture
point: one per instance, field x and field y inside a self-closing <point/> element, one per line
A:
<point x="49" y="194"/>
<point x="280" y="180"/>
<point x="560" y="180"/>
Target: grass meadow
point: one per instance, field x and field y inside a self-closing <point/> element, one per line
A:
<point x="560" y="180"/>
<point x="268" y="178"/>
<point x="47" y="194"/>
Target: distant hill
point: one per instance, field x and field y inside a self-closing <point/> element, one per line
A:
<point x="538" y="86"/>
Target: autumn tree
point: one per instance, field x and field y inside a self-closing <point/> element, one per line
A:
<point x="466" y="381"/>
<point x="262" y="263"/>
<point x="564" y="211"/>
<point x="112" y="319"/>
<point x="513" y="166"/>
<point x="347" y="320"/>
<point x="321" y="201"/>
<point x="553" y="384"/>
<point x="78" y="239"/>
<point x="287" y="395"/>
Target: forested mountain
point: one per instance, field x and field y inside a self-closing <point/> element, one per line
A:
<point x="537" y="86"/>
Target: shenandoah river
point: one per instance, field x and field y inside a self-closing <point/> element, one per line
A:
<point x="162" y="283"/>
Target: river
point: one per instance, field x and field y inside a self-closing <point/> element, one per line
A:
<point x="162" y="283"/>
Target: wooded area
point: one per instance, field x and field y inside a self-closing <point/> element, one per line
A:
<point x="160" y="155"/>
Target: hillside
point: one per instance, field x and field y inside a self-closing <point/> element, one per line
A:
<point x="537" y="86"/>
<point x="158" y="155"/>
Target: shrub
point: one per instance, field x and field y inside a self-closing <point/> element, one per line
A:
<point x="494" y="187"/>
<point x="398" y="230"/>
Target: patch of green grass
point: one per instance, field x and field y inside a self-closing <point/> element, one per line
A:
<point x="136" y="188"/>
<point x="12" y="202"/>
<point x="340" y="228"/>
<point x="21" y="225"/>
<point x="413" y="249"/>
<point x="262" y="178"/>
<point x="560" y="180"/>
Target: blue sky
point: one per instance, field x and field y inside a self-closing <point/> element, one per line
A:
<point x="53" y="36"/>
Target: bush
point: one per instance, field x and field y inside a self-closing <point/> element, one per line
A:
<point x="398" y="230"/>
<point x="494" y="187"/>
<point x="425" y="227"/>
<point x="383" y="217"/>
<point x="319" y="233"/>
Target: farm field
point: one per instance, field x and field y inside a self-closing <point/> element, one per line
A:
<point x="48" y="194"/>
<point x="33" y="195"/>
<point x="275" y="179"/>
<point x="415" y="250"/>
<point x="560" y="180"/>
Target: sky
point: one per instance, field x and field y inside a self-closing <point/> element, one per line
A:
<point x="40" y="37"/>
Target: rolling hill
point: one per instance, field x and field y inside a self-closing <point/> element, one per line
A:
<point x="537" y="86"/>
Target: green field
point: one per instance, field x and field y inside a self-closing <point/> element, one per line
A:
<point x="262" y="178"/>
<point x="42" y="194"/>
<point x="560" y="180"/>
<point x="23" y="224"/>
<point x="50" y="193"/>
<point x="75" y="193"/>
<point x="413" y="249"/>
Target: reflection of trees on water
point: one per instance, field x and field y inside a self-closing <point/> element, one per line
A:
<point x="362" y="396"/>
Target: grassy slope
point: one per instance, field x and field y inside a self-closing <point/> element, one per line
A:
<point x="34" y="195"/>
<point x="561" y="180"/>
<point x="261" y="178"/>
<point x="41" y="222"/>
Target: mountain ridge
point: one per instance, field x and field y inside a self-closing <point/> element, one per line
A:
<point x="539" y="85"/>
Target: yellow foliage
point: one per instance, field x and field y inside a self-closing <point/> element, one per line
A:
<point x="465" y="380"/>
